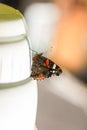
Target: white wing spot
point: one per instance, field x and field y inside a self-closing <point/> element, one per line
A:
<point x="54" y="66"/>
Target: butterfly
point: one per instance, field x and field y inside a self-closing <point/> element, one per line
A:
<point x="43" y="67"/>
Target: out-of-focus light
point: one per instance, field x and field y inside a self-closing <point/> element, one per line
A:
<point x="41" y="19"/>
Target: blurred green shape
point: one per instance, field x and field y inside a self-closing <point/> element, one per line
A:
<point x="9" y="13"/>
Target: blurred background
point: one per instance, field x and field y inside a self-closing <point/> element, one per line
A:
<point x="60" y="24"/>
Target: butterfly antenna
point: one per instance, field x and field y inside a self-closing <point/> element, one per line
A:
<point x="33" y="50"/>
